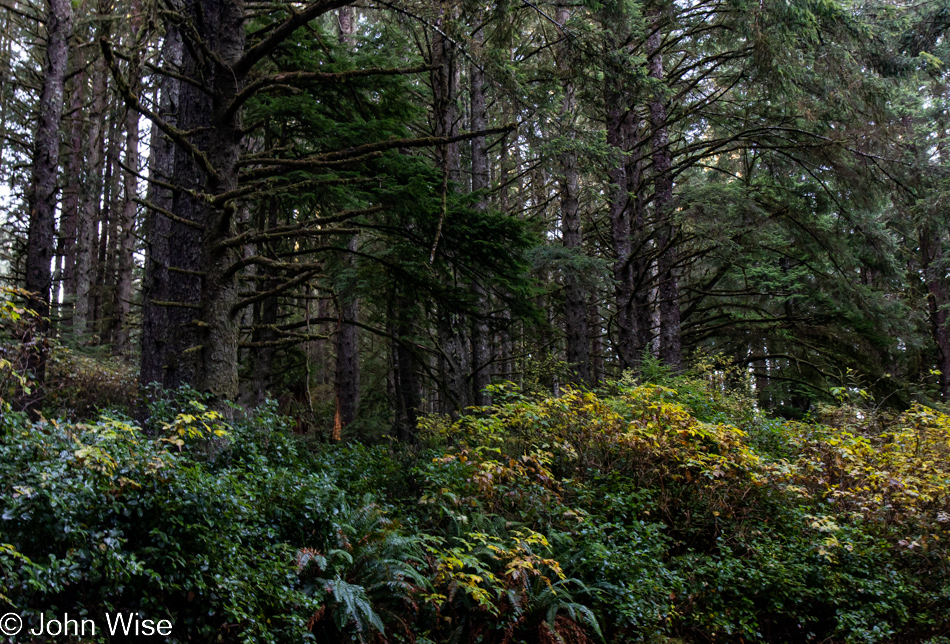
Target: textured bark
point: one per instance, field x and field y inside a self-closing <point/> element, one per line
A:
<point x="347" y="381"/>
<point x="199" y="326"/>
<point x="481" y="351"/>
<point x="670" y="341"/>
<point x="102" y="294"/>
<point x="455" y="364"/>
<point x="455" y="359"/>
<point x="208" y="358"/>
<point x="506" y="362"/>
<point x="347" y="357"/>
<point x="346" y="17"/>
<point x="761" y="370"/>
<point x="267" y="310"/>
<point x="445" y="79"/>
<point x="126" y="241"/>
<point x="405" y="381"/>
<point x="619" y="212"/>
<point x="91" y="196"/>
<point x="641" y="267"/>
<point x="156" y="325"/>
<point x="42" y="193"/>
<point x="481" y="335"/>
<point x="322" y="346"/>
<point x="504" y="367"/>
<point x="71" y="193"/>
<point x="575" y="295"/>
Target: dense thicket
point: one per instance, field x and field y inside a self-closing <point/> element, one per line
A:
<point x="378" y="210"/>
<point x="649" y="513"/>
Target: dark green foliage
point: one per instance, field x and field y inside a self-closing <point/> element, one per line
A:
<point x="199" y="529"/>
<point x="617" y="518"/>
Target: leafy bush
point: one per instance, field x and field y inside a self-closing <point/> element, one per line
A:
<point x="640" y="513"/>
<point x="699" y="528"/>
<point x="101" y="517"/>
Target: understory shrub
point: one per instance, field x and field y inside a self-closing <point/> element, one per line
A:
<point x="643" y="512"/>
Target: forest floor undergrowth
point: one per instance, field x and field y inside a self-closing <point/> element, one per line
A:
<point x="660" y="512"/>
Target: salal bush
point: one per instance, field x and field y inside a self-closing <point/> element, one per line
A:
<point x="200" y="522"/>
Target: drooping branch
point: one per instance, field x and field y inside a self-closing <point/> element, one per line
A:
<point x="283" y="31"/>
<point x="295" y="78"/>
<point x="302" y="230"/>
<point x="351" y="154"/>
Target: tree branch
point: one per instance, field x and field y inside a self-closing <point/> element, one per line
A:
<point x="289" y="78"/>
<point x="283" y="31"/>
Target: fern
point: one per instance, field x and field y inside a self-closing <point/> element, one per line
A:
<point x="368" y="578"/>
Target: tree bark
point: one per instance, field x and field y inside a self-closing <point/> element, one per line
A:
<point x="103" y="293"/>
<point x="641" y="265"/>
<point x="595" y="333"/>
<point x="347" y="381"/>
<point x="90" y="210"/>
<point x="268" y="309"/>
<point x="670" y="340"/>
<point x="405" y="381"/>
<point x="931" y="250"/>
<point x="575" y="295"/>
<point x="445" y="79"/>
<point x="455" y="359"/>
<point x="346" y="17"/>
<point x="125" y="261"/>
<point x="481" y="336"/>
<point x="213" y="339"/>
<point x="69" y="216"/>
<point x="620" y="232"/>
<point x="156" y="288"/>
<point x="42" y="193"/>
<point x="347" y="356"/>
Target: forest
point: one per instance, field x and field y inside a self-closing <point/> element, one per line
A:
<point x="475" y="322"/>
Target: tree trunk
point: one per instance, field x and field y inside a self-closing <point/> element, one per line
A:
<point x="931" y="250"/>
<point x="156" y="288"/>
<point x="214" y="339"/>
<point x="670" y="341"/>
<point x="761" y="370"/>
<point x="481" y="337"/>
<point x="595" y="333"/>
<point x="455" y="359"/>
<point x="103" y="293"/>
<point x="69" y="216"/>
<point x="322" y="348"/>
<point x="199" y="324"/>
<point x="346" y="17"/>
<point x="42" y="191"/>
<point x="619" y="211"/>
<point x="445" y="79"/>
<point x="575" y="295"/>
<point x="267" y="310"/>
<point x="405" y="381"/>
<point x="455" y="364"/>
<point x="125" y="261"/>
<point x="347" y="356"/>
<point x="92" y="194"/>
<point x="347" y="381"/>
<point x="641" y="266"/>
